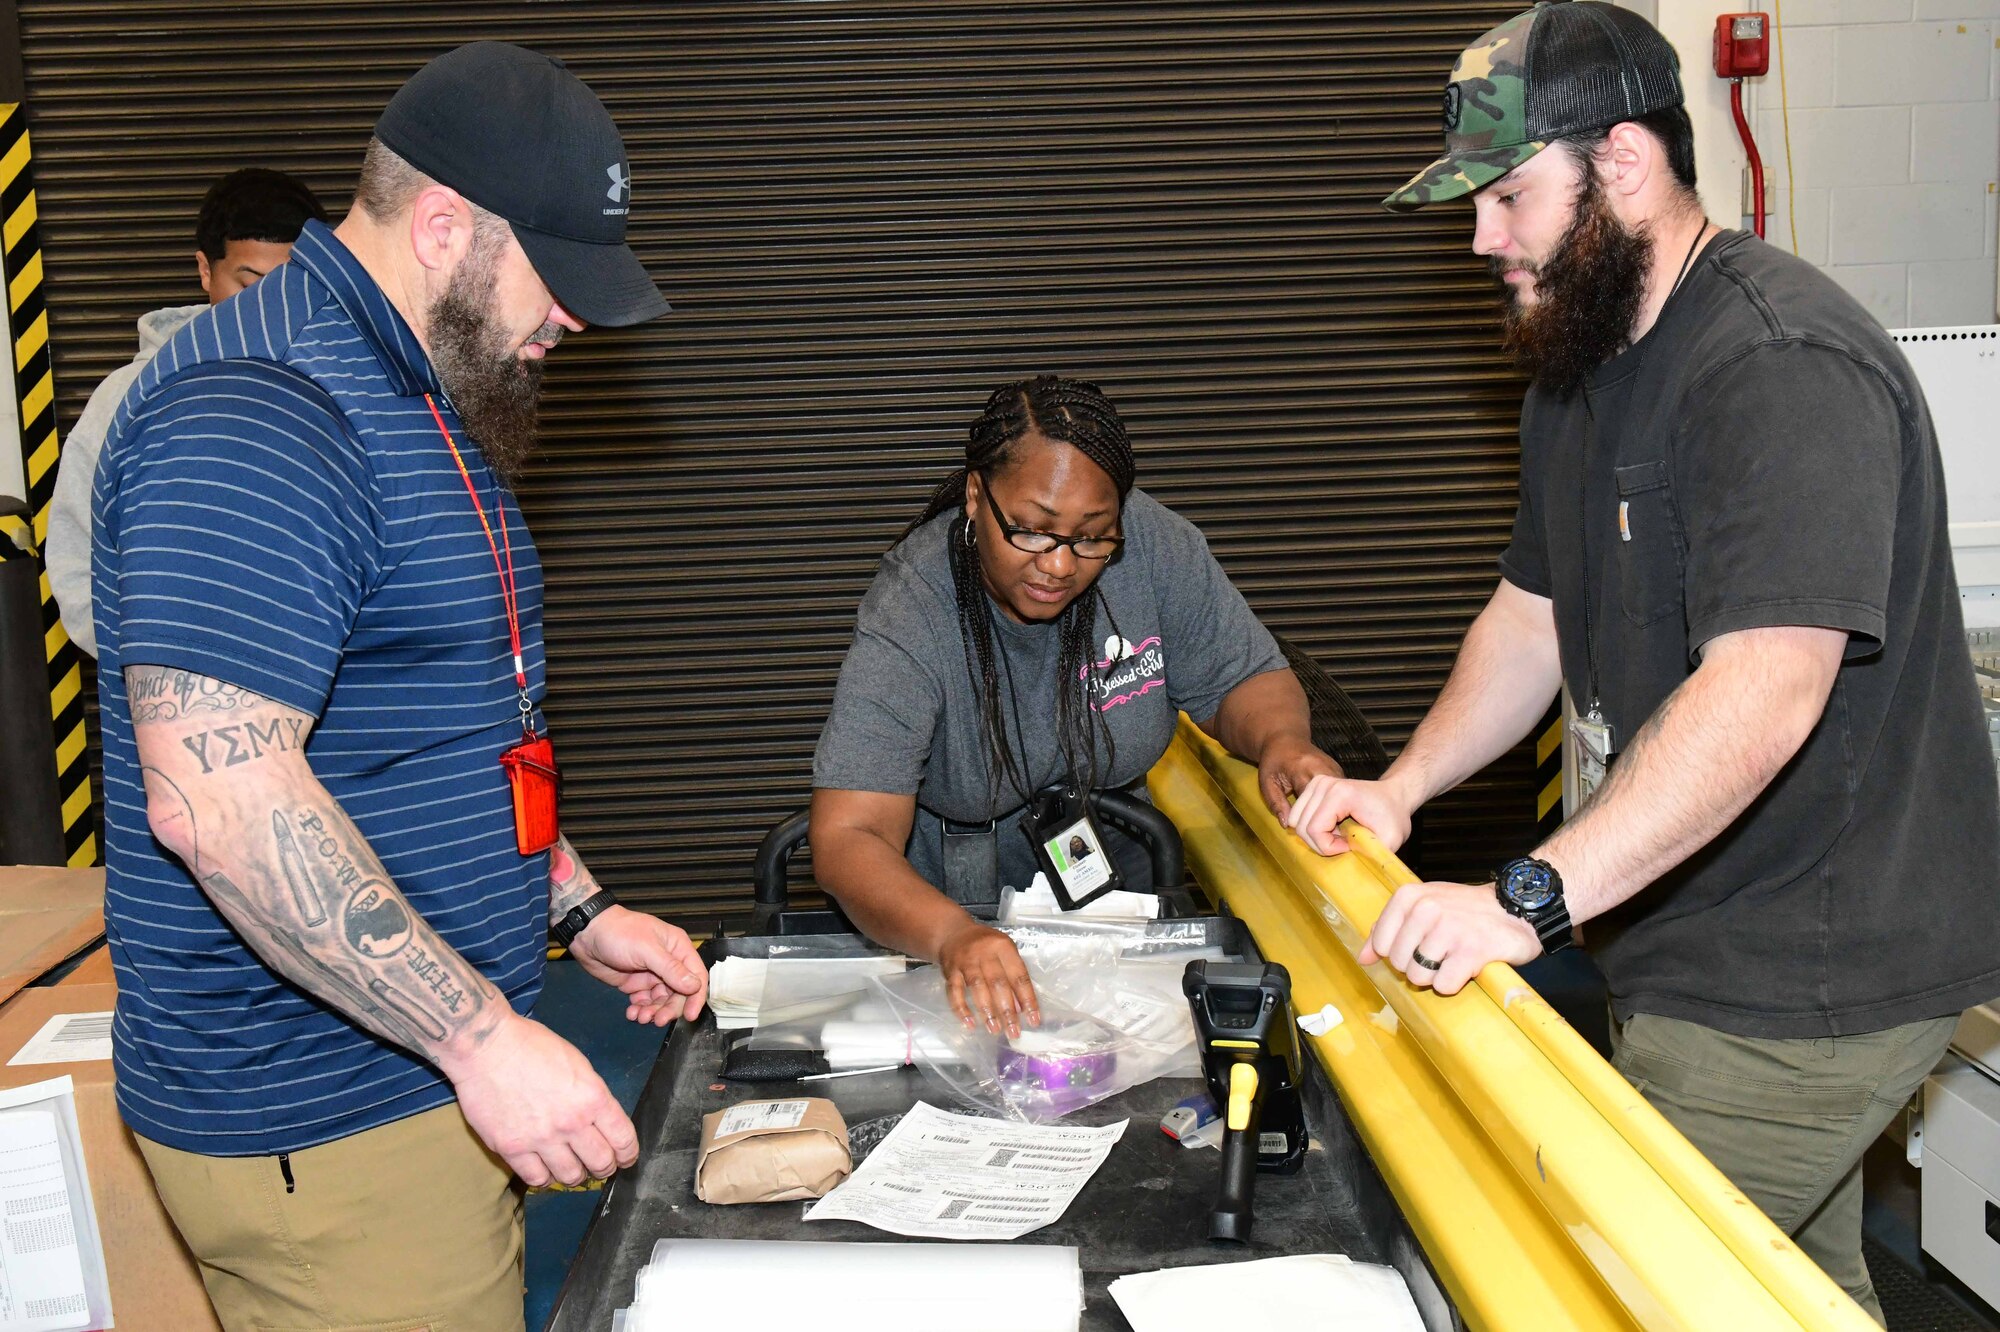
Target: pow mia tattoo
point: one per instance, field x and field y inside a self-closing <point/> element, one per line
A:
<point x="399" y="1021"/>
<point x="375" y="922"/>
<point x="426" y="967"/>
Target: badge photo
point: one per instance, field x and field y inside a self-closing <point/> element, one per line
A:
<point x="1069" y="847"/>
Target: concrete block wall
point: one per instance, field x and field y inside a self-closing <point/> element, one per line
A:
<point x="1895" y="135"/>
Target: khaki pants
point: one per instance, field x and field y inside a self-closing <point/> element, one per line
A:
<point x="411" y="1226"/>
<point x="1786" y="1120"/>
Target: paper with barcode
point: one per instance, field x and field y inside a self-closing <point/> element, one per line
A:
<point x="68" y="1038"/>
<point x="958" y="1177"/>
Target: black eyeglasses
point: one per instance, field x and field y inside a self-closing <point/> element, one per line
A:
<point x="1041" y="543"/>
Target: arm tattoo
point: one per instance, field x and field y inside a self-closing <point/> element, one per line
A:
<point x="571" y="883"/>
<point x="160" y="694"/>
<point x="290" y="871"/>
<point x="289" y="952"/>
<point x="305" y="893"/>
<point x="230" y="746"/>
<point x="376" y="963"/>
<point x="397" y="1000"/>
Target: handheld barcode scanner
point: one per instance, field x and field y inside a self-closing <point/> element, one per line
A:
<point x="1250" y="1053"/>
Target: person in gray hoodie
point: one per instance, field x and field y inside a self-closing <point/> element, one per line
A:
<point x="246" y="227"/>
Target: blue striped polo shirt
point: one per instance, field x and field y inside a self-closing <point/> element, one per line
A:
<point x="276" y="509"/>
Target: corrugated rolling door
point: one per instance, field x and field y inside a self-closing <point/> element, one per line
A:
<point x="867" y="216"/>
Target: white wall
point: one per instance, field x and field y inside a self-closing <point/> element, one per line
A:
<point x="1719" y="156"/>
<point x="1895" y="136"/>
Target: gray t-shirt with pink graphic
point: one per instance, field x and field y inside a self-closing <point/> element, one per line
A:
<point x="905" y="718"/>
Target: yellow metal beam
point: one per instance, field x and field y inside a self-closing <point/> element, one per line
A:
<point x="1651" y="1235"/>
<point x="1504" y="1263"/>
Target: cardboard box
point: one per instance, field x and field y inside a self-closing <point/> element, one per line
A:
<point x="47" y="914"/>
<point x="154" y="1282"/>
<point x="94" y="969"/>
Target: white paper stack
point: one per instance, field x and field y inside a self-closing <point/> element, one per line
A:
<point x="859" y="1287"/>
<point x="52" y="1275"/>
<point x="1308" y="1290"/>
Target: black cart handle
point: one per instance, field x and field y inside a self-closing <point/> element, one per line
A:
<point x="1121" y="809"/>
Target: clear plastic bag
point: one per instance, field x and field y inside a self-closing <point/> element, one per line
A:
<point x="1105" y="1027"/>
<point x="1053" y="942"/>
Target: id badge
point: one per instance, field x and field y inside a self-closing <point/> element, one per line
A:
<point x="1069" y="847"/>
<point x="1594" y="749"/>
<point x="531" y="772"/>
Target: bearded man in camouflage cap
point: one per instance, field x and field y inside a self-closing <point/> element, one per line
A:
<point x="1731" y="548"/>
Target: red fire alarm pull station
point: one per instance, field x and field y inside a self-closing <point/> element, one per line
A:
<point x="1743" y="51"/>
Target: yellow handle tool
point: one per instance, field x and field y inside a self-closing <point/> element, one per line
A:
<point x="1242" y="1091"/>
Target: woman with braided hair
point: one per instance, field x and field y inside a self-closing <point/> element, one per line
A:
<point x="1038" y="628"/>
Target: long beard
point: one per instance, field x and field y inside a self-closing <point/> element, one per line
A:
<point x="1588" y="292"/>
<point x="496" y="392"/>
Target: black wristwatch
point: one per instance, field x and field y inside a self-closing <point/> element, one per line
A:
<point x="580" y="916"/>
<point x="1533" y="890"/>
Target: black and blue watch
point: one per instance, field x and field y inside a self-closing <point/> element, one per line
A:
<point x="1533" y="890"/>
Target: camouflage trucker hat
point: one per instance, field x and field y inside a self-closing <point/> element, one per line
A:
<point x="1559" y="69"/>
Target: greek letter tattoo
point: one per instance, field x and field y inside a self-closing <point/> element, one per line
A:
<point x="234" y="745"/>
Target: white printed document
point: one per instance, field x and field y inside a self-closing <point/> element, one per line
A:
<point x="51" y="1259"/>
<point x="959" y="1177"/>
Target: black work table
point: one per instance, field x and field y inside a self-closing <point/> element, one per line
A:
<point x="1146" y="1207"/>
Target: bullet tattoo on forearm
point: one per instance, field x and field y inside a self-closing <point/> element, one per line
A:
<point x="305" y="894"/>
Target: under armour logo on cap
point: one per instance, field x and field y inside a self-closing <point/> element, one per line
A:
<point x="515" y="130"/>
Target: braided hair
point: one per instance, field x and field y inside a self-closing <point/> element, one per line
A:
<point x="1078" y="414"/>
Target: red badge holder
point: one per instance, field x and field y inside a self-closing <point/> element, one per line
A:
<point x="531" y="772"/>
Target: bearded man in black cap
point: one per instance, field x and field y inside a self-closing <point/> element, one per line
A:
<point x="1731" y="547"/>
<point x="331" y="842"/>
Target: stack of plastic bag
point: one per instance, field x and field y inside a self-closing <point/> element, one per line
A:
<point x="857" y="1287"/>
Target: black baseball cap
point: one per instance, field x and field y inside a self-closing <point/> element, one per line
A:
<point x="1556" y="70"/>
<point x="518" y="134"/>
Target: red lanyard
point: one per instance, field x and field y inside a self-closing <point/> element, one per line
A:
<point x="506" y="571"/>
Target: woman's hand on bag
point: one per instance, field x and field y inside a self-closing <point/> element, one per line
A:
<point x="986" y="980"/>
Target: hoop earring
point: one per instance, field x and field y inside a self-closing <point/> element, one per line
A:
<point x="968" y="534"/>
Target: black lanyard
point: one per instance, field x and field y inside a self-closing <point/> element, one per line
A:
<point x="1014" y="707"/>
<point x="1583" y="488"/>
